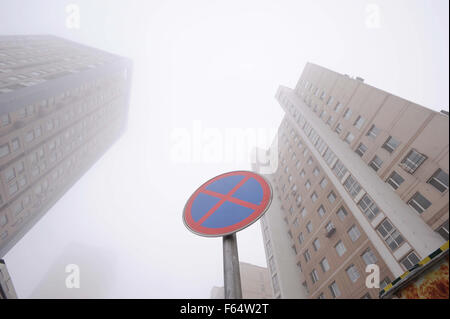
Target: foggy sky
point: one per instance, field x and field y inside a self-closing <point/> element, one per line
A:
<point x="216" y="64"/>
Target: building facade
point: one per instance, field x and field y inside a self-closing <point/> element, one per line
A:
<point x="62" y="105"/>
<point x="7" y="290"/>
<point x="362" y="179"/>
<point x="255" y="283"/>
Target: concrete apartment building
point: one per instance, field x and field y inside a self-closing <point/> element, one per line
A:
<point x="362" y="179"/>
<point x="62" y="105"/>
<point x="255" y="283"/>
<point x="7" y="290"/>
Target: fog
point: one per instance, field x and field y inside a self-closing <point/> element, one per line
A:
<point x="202" y="69"/>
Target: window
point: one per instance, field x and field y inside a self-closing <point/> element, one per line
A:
<point x="309" y="227"/>
<point x="354" y="233"/>
<point x="29" y="136"/>
<point x="294" y="248"/>
<point x="329" y="156"/>
<point x="307" y="256"/>
<point x="314" y="197"/>
<point x="22" y="181"/>
<point x="37" y="131"/>
<point x="359" y="122"/>
<point x="302" y="173"/>
<point x="361" y="149"/>
<point x="316" y="171"/>
<point x="329" y="227"/>
<point x="321" y="211"/>
<point x="303" y="212"/>
<point x="330" y="121"/>
<point x="4" y="119"/>
<point x="338" y="107"/>
<point x="334" y="290"/>
<point x="3" y="220"/>
<point x="376" y="163"/>
<point x="308" y="184"/>
<point x="368" y="207"/>
<point x="314" y="276"/>
<point x="305" y="285"/>
<point x="439" y="180"/>
<point x="419" y="203"/>
<point x="349" y="138"/>
<point x="412" y="161"/>
<point x="338" y="128"/>
<point x="13" y="188"/>
<point x="369" y="257"/>
<point x="321" y="296"/>
<point x="352" y="273"/>
<point x="322" y="114"/>
<point x="391" y="144"/>
<point x="442" y="230"/>
<point x="340" y="248"/>
<point x="330" y="100"/>
<point x="339" y="169"/>
<point x="4" y="150"/>
<point x="299" y="265"/>
<point x="410" y="260"/>
<point x="323" y="183"/>
<point x="15" y="144"/>
<point x="310" y="161"/>
<point x="324" y="265"/>
<point x="20" y="167"/>
<point x="9" y="174"/>
<point x="316" y="244"/>
<point x="373" y="132"/>
<point x="299" y="199"/>
<point x="347" y="114"/>
<point x="390" y="234"/>
<point x="395" y="180"/>
<point x="342" y="213"/>
<point x="322" y="95"/>
<point x="300" y="238"/>
<point x="352" y="186"/>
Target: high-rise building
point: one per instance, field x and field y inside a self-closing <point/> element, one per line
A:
<point x="255" y="283"/>
<point x="62" y="105"/>
<point x="362" y="179"/>
<point x="7" y="290"/>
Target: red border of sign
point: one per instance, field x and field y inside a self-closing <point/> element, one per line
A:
<point x="217" y="232"/>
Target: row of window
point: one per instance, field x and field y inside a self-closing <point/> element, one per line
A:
<point x="57" y="120"/>
<point x="45" y="67"/>
<point x="410" y="163"/>
<point x="14" y="176"/>
<point x="33" y="199"/>
<point x="392" y="238"/>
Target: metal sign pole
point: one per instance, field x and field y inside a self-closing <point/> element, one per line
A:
<point x="231" y="273"/>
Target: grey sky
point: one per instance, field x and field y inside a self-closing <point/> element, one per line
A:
<point x="217" y="63"/>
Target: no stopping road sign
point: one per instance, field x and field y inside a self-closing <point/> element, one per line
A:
<point x="227" y="203"/>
